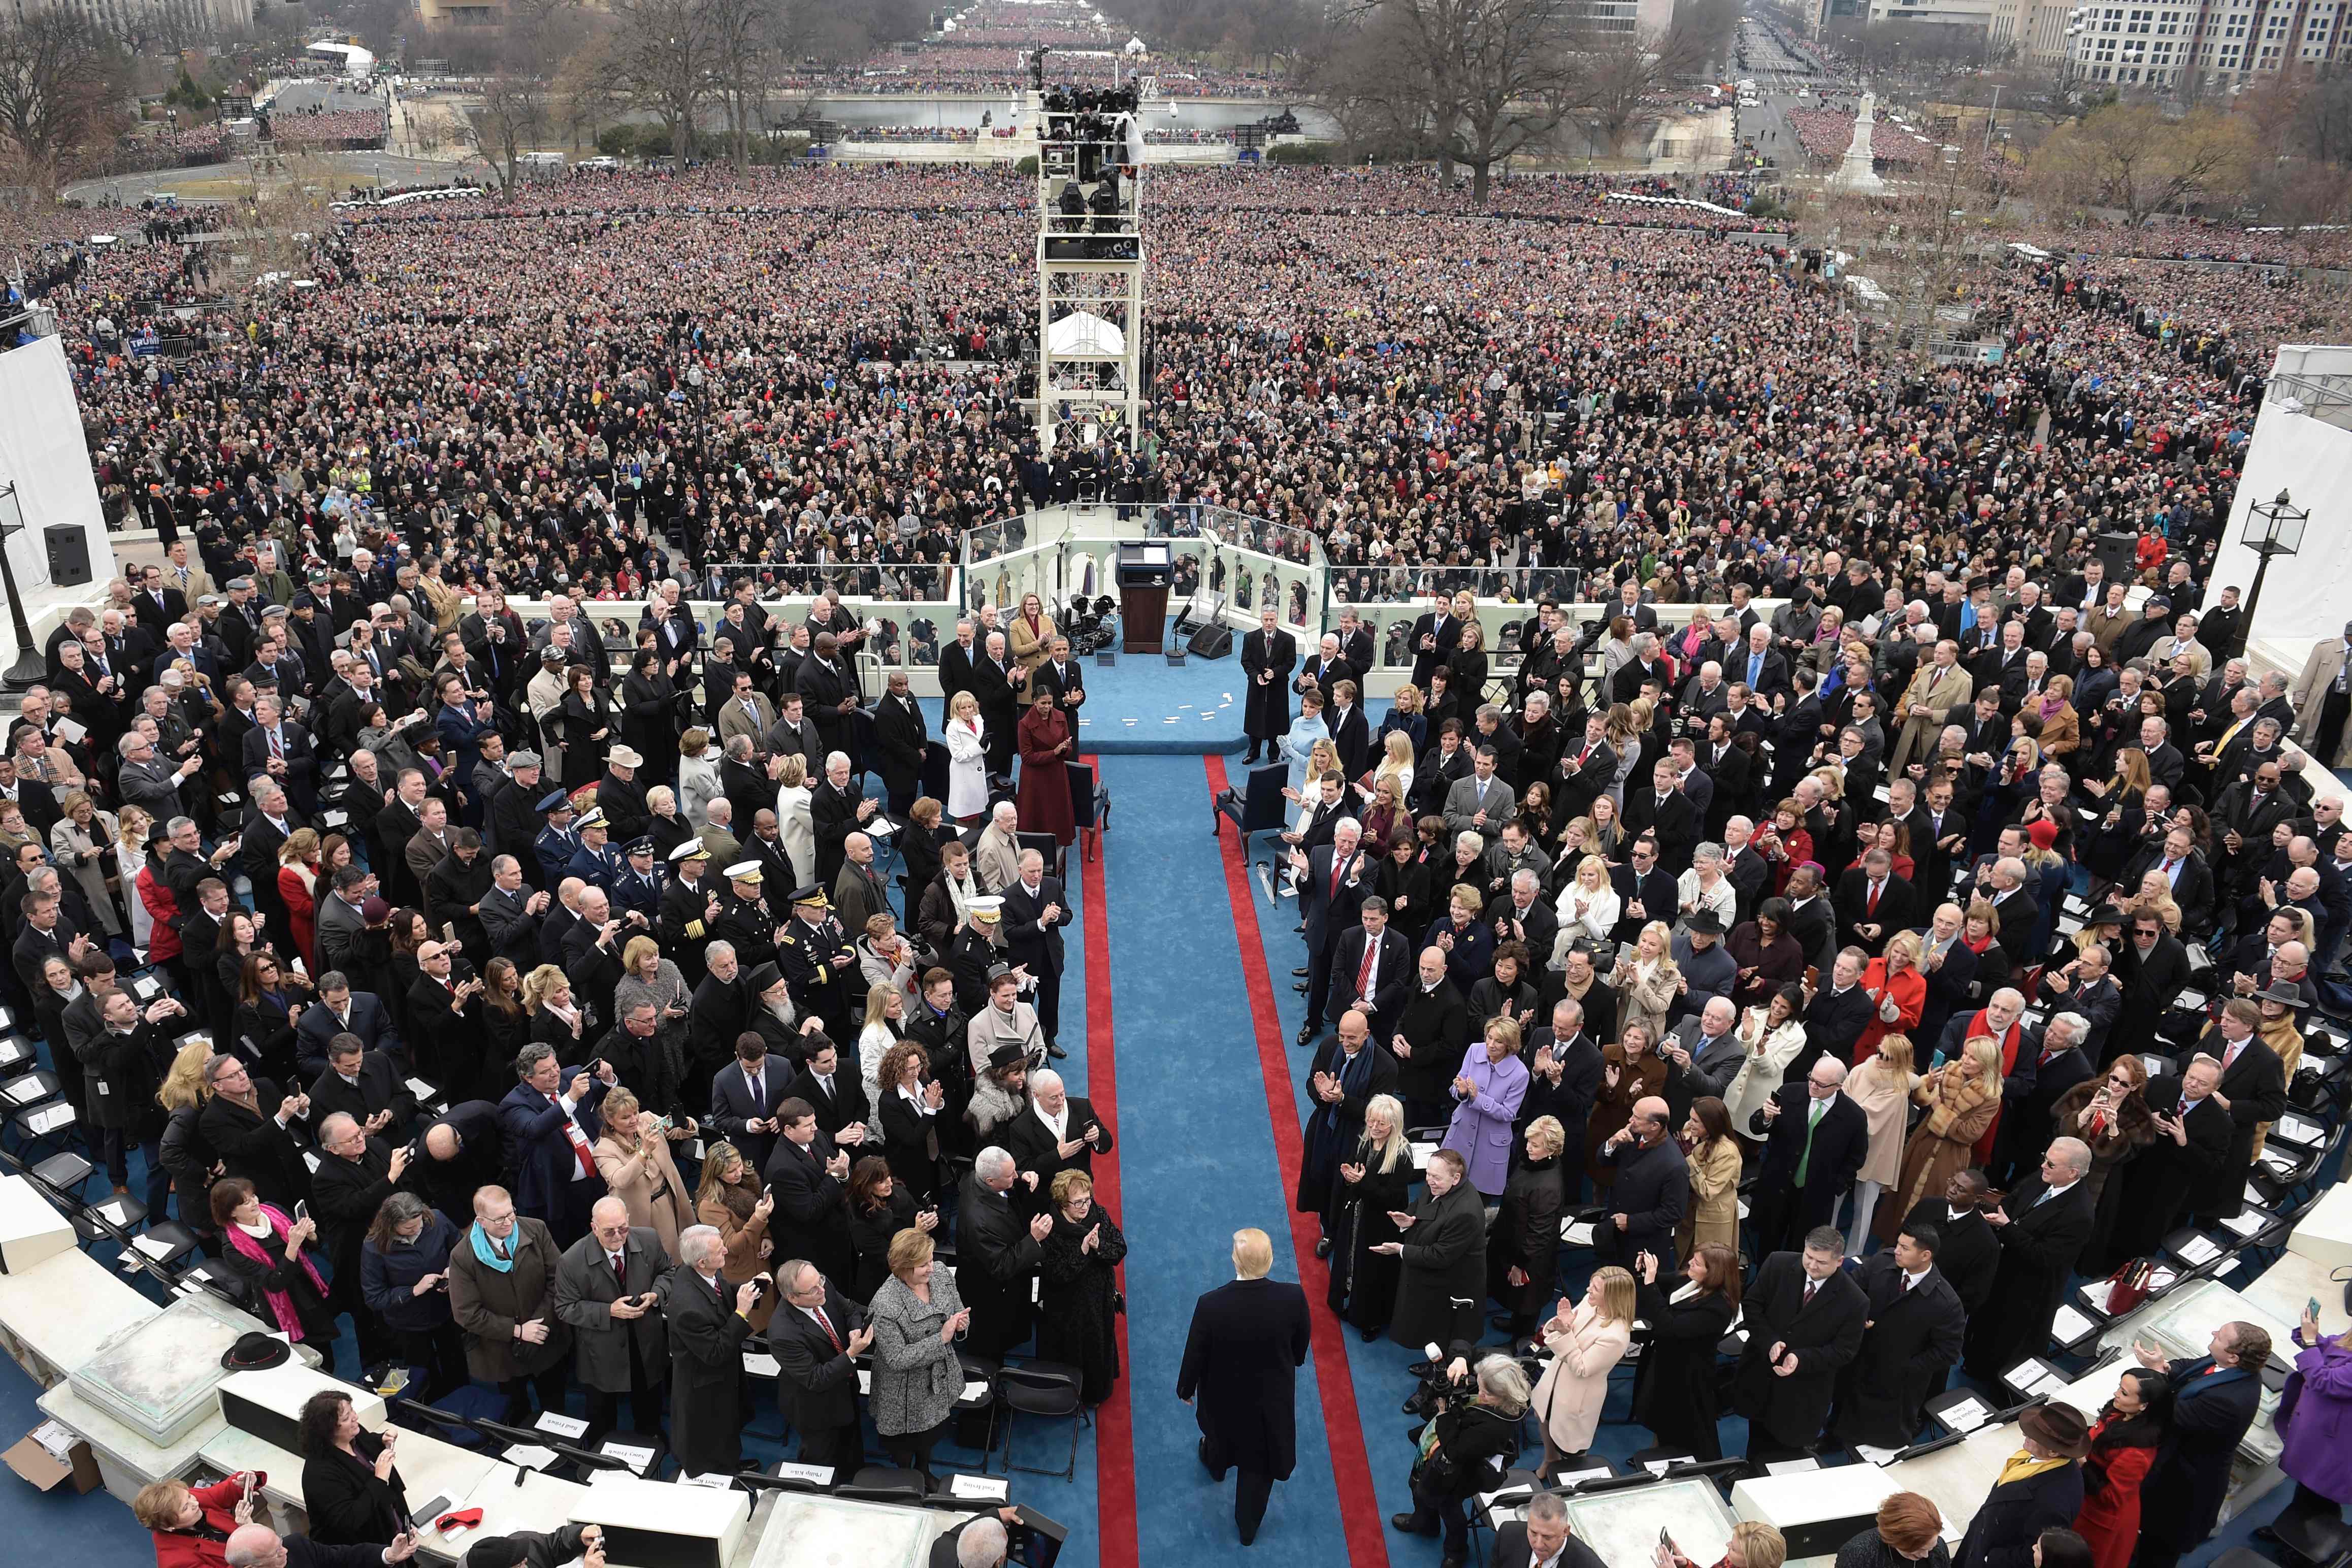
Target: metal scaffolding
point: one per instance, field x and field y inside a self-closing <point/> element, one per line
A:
<point x="1089" y="265"/>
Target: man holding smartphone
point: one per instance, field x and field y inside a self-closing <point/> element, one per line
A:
<point x="605" y="1290"/>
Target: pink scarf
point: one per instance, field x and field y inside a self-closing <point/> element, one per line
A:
<point x="281" y="1305"/>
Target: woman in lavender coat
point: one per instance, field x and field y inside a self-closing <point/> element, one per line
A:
<point x="1486" y="1093"/>
<point x="2318" y="1451"/>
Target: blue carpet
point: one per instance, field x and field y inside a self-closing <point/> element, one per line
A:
<point x="1141" y="705"/>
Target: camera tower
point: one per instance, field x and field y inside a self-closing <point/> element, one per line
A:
<point x="1089" y="263"/>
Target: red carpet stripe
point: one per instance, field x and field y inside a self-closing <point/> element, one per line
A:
<point x="1114" y="1417"/>
<point x="1351" y="1473"/>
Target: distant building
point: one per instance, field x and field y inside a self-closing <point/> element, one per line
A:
<point x="189" y="19"/>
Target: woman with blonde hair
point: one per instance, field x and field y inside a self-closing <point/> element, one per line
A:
<point x="184" y="1153"/>
<point x="1367" y="1186"/>
<point x="1882" y="1086"/>
<point x="1587" y="906"/>
<point x="796" y="829"/>
<point x="885" y="1025"/>
<point x="1897" y="990"/>
<point x="1586" y="1339"/>
<point x="1962" y="1098"/>
<point x="79" y="842"/>
<point x="967" y="742"/>
<point x="1395" y="766"/>
<point x="127" y="856"/>
<point x="632" y="1156"/>
<point x="1297" y="746"/>
<point x="1647" y="979"/>
<point x="558" y="1018"/>
<point x="1523" y="1241"/>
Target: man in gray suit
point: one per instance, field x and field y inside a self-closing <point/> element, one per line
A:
<point x="147" y="781"/>
<point x="340" y="922"/>
<point x="1703" y="1055"/>
<point x="1481" y="803"/>
<point x="605" y="1290"/>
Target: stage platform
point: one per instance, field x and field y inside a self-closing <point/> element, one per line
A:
<point x="1141" y="705"/>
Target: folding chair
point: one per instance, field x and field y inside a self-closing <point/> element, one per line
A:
<point x="1089" y="807"/>
<point x="1041" y="1388"/>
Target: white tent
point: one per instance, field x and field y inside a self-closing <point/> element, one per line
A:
<point x="1084" y="332"/>
<point x="1135" y="47"/>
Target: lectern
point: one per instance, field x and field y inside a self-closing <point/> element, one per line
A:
<point x="1144" y="570"/>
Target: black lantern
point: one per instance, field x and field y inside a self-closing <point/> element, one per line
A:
<point x="2272" y="528"/>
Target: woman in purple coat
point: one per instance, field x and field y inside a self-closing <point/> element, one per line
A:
<point x="2318" y="1451"/>
<point x="1486" y="1093"/>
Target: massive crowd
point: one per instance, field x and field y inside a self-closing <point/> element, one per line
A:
<point x="825" y="365"/>
<point x="1649" y="929"/>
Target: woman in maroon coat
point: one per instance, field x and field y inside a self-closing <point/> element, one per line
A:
<point x="1044" y="798"/>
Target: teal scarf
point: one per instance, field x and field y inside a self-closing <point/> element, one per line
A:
<point x="486" y="1252"/>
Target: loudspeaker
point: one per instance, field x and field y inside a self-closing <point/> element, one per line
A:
<point x="1213" y="641"/>
<point x="2117" y="551"/>
<point x="69" y="555"/>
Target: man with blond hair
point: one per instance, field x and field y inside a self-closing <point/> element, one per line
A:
<point x="1241" y="1366"/>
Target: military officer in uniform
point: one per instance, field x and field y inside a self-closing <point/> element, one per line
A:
<point x="686" y="909"/>
<point x="557" y="842"/>
<point x="818" y="961"/>
<point x="639" y="889"/>
<point x="744" y="918"/>
<point x="595" y="862"/>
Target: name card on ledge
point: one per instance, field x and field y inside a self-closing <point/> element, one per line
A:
<point x="2067" y="1325"/>
<point x="1964" y="1415"/>
<point x="758" y="1365"/>
<point x="977" y="1488"/>
<point x="636" y="1458"/>
<point x="816" y="1475"/>
<point x="567" y="1428"/>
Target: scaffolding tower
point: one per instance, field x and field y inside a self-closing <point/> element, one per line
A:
<point x="1089" y="265"/>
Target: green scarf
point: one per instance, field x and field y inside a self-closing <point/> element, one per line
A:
<point x="486" y="1252"/>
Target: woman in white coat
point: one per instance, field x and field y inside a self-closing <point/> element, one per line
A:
<point x="1586" y="1341"/>
<point x="1587" y="906"/>
<point x="967" y="759"/>
<point x="1773" y="1036"/>
<point x="795" y="828"/>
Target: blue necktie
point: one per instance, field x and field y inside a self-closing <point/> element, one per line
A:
<point x="1755" y="668"/>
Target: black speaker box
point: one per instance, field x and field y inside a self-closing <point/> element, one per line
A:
<point x="69" y="555"/>
<point x="1213" y="641"/>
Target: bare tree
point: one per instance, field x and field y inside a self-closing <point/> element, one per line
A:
<point x="61" y="82"/>
<point x="2127" y="156"/>
<point x="666" y="57"/>
<point x="584" y="93"/>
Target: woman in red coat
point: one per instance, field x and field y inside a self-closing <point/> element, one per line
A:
<point x="2123" y="1451"/>
<point x="297" y="880"/>
<point x="191" y="1525"/>
<point x="1892" y="980"/>
<point x="1044" y="797"/>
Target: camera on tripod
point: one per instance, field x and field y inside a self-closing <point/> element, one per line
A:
<point x="1087" y="624"/>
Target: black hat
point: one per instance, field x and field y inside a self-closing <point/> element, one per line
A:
<point x="1004" y="1057"/>
<point x="639" y="847"/>
<point x="555" y="800"/>
<point x="257" y="1352"/>
<point x="1706" y="922"/>
<point x="495" y="1551"/>
<point x="765" y="976"/>
<point x="2105" y="915"/>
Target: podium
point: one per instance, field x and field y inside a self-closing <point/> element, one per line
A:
<point x="1145" y="569"/>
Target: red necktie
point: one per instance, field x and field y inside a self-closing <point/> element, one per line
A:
<point x="274" y="750"/>
<point x="1338" y="866"/>
<point x="1872" y="908"/>
<point x="826" y="1325"/>
<point x="1364" y="972"/>
<point x="621" y="1272"/>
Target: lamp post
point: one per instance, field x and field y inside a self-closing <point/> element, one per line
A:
<point x="2272" y="528"/>
<point x="28" y="669"/>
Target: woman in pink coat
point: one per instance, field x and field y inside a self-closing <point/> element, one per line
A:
<point x="1486" y="1095"/>
<point x="1585" y="1341"/>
